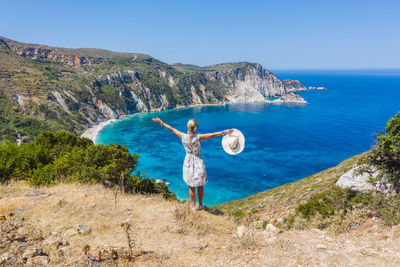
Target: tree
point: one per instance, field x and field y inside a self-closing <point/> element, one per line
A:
<point x="386" y="154"/>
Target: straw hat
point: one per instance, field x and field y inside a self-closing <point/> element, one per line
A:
<point x="233" y="143"/>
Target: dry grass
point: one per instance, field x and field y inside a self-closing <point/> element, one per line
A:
<point x="146" y="230"/>
<point x="140" y="228"/>
<point x="201" y="222"/>
<point x="336" y="224"/>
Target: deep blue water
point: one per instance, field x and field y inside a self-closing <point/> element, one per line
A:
<point x="284" y="142"/>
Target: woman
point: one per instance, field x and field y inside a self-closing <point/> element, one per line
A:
<point x="194" y="170"/>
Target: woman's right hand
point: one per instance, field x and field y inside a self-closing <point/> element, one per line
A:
<point x="157" y="120"/>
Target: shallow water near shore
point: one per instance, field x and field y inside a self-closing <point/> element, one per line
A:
<point x="284" y="142"/>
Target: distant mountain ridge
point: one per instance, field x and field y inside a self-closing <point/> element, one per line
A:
<point x="44" y="87"/>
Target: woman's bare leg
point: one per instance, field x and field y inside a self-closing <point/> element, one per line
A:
<point x="192" y="195"/>
<point x="200" y="193"/>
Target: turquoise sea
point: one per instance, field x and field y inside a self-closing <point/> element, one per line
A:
<point x="284" y="142"/>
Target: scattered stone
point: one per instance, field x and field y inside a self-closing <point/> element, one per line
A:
<point x="54" y="241"/>
<point x="64" y="251"/>
<point x="92" y="206"/>
<point x="355" y="224"/>
<point x="272" y="228"/>
<point x="31" y="252"/>
<point x="271" y="239"/>
<point x="5" y="257"/>
<point x="69" y="232"/>
<point x="35" y="192"/>
<point x="83" y="229"/>
<point x="375" y="219"/>
<point x="241" y="230"/>
<point x="321" y="247"/>
<point x="280" y="220"/>
<point x="318" y="231"/>
<point x="19" y="210"/>
<point x="22" y="231"/>
<point x="256" y="224"/>
<point x="38" y="261"/>
<point x="61" y="202"/>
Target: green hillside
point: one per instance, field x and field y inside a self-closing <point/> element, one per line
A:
<point x="51" y="88"/>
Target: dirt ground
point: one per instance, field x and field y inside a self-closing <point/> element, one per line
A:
<point x="89" y="225"/>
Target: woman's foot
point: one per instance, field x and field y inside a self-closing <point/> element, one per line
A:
<point x="201" y="207"/>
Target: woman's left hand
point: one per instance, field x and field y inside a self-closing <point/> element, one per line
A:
<point x="230" y="131"/>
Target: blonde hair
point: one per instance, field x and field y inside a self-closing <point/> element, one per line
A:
<point x="192" y="124"/>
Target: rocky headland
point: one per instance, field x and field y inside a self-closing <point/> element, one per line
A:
<point x="290" y="98"/>
<point x="55" y="88"/>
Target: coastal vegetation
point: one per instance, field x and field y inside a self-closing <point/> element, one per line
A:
<point x="62" y="157"/>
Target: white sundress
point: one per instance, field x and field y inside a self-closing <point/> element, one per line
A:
<point x="194" y="170"/>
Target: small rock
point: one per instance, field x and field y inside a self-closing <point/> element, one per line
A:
<point x="69" y="232"/>
<point x="272" y="228"/>
<point x="5" y="257"/>
<point x="321" y="247"/>
<point x="318" y="231"/>
<point x="31" y="252"/>
<point x="241" y="230"/>
<point x="61" y="202"/>
<point x="354" y="224"/>
<point x="54" y="241"/>
<point x="38" y="261"/>
<point x="92" y="206"/>
<point x="19" y="210"/>
<point x="64" y="251"/>
<point x="35" y="192"/>
<point x="280" y="220"/>
<point x="83" y="229"/>
<point x="375" y="219"/>
<point x="256" y="224"/>
<point x="22" y="231"/>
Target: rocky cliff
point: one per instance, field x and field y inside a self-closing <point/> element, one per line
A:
<point x="45" y="87"/>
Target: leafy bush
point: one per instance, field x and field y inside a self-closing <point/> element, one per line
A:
<point x="65" y="157"/>
<point x="338" y="207"/>
<point x="326" y="203"/>
<point x="386" y="154"/>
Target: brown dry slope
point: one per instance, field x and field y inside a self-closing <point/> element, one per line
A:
<point x="89" y="225"/>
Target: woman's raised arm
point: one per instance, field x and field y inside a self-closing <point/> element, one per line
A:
<point x="175" y="131"/>
<point x="210" y="135"/>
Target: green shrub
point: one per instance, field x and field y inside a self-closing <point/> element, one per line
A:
<point x="325" y="204"/>
<point x="386" y="154"/>
<point x="65" y="157"/>
<point x="332" y="208"/>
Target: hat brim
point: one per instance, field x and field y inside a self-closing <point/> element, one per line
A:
<point x="239" y="148"/>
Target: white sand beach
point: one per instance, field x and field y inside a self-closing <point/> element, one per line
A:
<point x="92" y="131"/>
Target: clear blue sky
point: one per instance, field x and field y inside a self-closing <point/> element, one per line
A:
<point x="301" y="34"/>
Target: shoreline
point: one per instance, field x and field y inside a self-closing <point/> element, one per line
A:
<point x="94" y="130"/>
